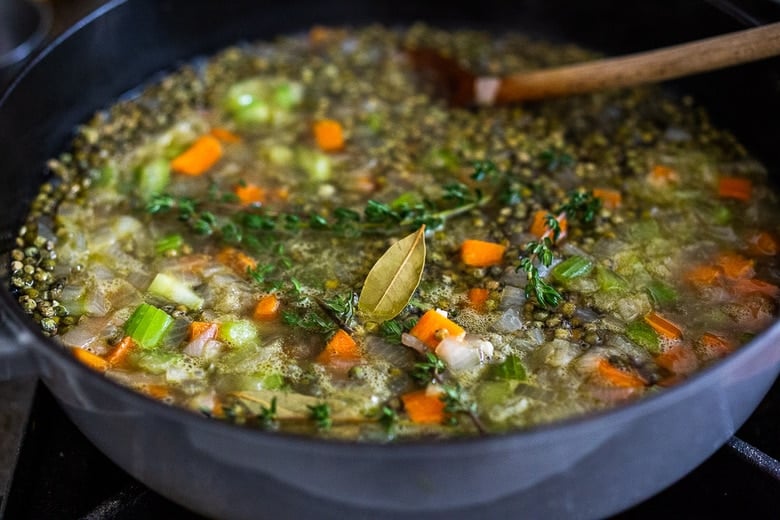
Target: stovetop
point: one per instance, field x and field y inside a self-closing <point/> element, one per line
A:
<point x="59" y="474"/>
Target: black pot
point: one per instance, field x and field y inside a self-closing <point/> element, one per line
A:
<point x="586" y="467"/>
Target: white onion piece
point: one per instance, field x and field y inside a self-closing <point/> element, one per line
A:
<point x="197" y="346"/>
<point x="457" y="354"/>
<point x="412" y="342"/>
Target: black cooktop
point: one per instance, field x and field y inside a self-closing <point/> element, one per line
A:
<point x="59" y="474"/>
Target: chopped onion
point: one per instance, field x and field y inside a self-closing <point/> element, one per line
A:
<point x="457" y="354"/>
<point x="412" y="342"/>
<point x="197" y="346"/>
<point x="509" y="321"/>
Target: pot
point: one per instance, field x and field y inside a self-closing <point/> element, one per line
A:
<point x="581" y="468"/>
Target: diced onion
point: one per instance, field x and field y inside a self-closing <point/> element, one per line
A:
<point x="412" y="342"/>
<point x="457" y="354"/>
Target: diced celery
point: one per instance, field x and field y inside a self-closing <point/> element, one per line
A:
<point x="493" y="393"/>
<point x="173" y="289"/>
<point x="644" y="230"/>
<point x="571" y="268"/>
<point x="157" y="361"/>
<point x="661" y="293"/>
<point x="509" y="369"/>
<point x="316" y="164"/>
<point x="408" y="199"/>
<point x="148" y="325"/>
<point x="105" y="177"/>
<point x="153" y="178"/>
<point x="257" y="112"/>
<point x="441" y="159"/>
<point x="239" y="333"/>
<point x="245" y="93"/>
<point x="261" y="381"/>
<point x="643" y="335"/>
<point x="287" y="94"/>
<point x="609" y="280"/>
<point x="280" y="155"/>
<point x="168" y="243"/>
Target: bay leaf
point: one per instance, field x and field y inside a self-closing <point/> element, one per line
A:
<point x="395" y="276"/>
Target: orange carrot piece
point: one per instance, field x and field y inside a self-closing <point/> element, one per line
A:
<point x="747" y="286"/>
<point x="714" y="346"/>
<point x="610" y="199"/>
<point x="663" y="327"/>
<point x="539" y="226"/>
<point x="199" y="157"/>
<point x="341" y="347"/>
<point x="617" y="377"/>
<point x="237" y="260"/>
<point x="735" y="266"/>
<point x="249" y="194"/>
<point x="329" y="135"/>
<point x="198" y="328"/>
<point x="225" y="135"/>
<point x="93" y="361"/>
<point x="118" y="355"/>
<point x="679" y="359"/>
<point x="320" y="34"/>
<point x="267" y="309"/>
<point x="423" y="408"/>
<point x="703" y="275"/>
<point x="738" y="188"/>
<point x="477" y="297"/>
<point x="432" y="327"/>
<point x="762" y="243"/>
<point x="156" y="391"/>
<point x="661" y="176"/>
<point x="478" y="253"/>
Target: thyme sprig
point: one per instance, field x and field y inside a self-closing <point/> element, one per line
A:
<point x="580" y="206"/>
<point x="320" y="414"/>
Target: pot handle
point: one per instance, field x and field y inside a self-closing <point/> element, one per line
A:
<point x="16" y="357"/>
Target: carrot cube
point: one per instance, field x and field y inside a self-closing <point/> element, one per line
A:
<point x="477" y="253"/>
<point x="423" y="408"/>
<point x="267" y="309"/>
<point x="433" y="327"/>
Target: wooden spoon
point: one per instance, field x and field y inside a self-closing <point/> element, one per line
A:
<point x="464" y="88"/>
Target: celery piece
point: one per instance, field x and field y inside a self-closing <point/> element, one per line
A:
<point x="257" y="112"/>
<point x="157" y="361"/>
<point x="273" y="381"/>
<point x="173" y="289"/>
<point x="316" y="164"/>
<point x="509" y="369"/>
<point x="609" y="280"/>
<point x="287" y="94"/>
<point x="245" y="93"/>
<point x="661" y="293"/>
<point x="441" y="159"/>
<point x="168" y="243"/>
<point x="153" y="178"/>
<point x="148" y="325"/>
<point x="408" y="199"/>
<point x="643" y="335"/>
<point x="280" y="155"/>
<point x="571" y="268"/>
<point x="494" y="393"/>
<point x="239" y="333"/>
<point x="105" y="177"/>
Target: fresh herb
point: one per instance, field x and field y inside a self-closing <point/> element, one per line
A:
<point x="509" y="369"/>
<point x="581" y="206"/>
<point x="426" y="371"/>
<point x="309" y="320"/>
<point x="392" y="330"/>
<point x="539" y="251"/>
<point x="266" y="418"/>
<point x="340" y="308"/>
<point x="388" y="418"/>
<point x="455" y="403"/>
<point x="554" y="159"/>
<point x="320" y="414"/>
<point x="485" y="170"/>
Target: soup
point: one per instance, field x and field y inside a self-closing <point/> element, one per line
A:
<point x="301" y="236"/>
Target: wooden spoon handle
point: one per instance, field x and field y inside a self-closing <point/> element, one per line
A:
<point x="644" y="67"/>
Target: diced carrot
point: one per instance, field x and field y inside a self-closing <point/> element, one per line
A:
<point x="93" y="361"/>
<point x="249" y="194"/>
<point x="539" y="226"/>
<point x="610" y="199"/>
<point x="199" y="157"/>
<point x="754" y="285"/>
<point x="714" y="346"/>
<point x="678" y="359"/>
<point x="738" y="188"/>
<point x="478" y="253"/>
<point x="703" y="275"/>
<point x="341" y="347"/>
<point x="237" y="260"/>
<point x="611" y="374"/>
<point x="320" y="34"/>
<point x="661" y="176"/>
<point x="198" y="328"/>
<point x="433" y="327"/>
<point x="329" y="135"/>
<point x="267" y="309"/>
<point x="665" y="328"/>
<point x="762" y="243"/>
<point x="225" y="135"/>
<point x="477" y="297"/>
<point x="156" y="391"/>
<point x="118" y="355"/>
<point x="735" y="266"/>
<point x="423" y="408"/>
